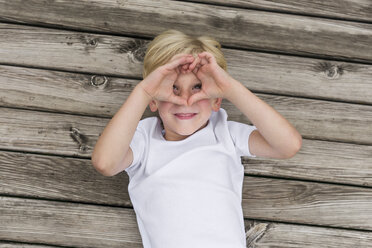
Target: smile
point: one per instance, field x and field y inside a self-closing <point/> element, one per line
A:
<point x="185" y="116"/>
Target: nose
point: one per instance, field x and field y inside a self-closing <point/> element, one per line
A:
<point x="185" y="94"/>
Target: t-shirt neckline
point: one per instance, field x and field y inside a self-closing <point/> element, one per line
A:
<point x="163" y="132"/>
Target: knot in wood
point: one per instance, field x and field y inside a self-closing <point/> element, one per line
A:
<point x="93" y="42"/>
<point x="79" y="138"/>
<point x="98" y="80"/>
<point x="332" y="72"/>
<point x="135" y="49"/>
<point x="255" y="232"/>
<point x="88" y="41"/>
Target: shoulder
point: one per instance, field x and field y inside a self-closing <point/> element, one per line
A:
<point x="147" y="124"/>
<point x="219" y="117"/>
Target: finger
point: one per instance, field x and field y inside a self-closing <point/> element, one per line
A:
<point x="194" y="64"/>
<point x="178" y="70"/>
<point x="183" y="71"/>
<point x="178" y="100"/>
<point x="209" y="58"/>
<point x="203" y="59"/>
<point x="180" y="61"/>
<point x="197" y="97"/>
<point x="179" y="55"/>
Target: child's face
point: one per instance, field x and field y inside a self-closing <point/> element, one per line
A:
<point x="179" y="127"/>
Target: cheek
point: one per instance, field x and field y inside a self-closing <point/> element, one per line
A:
<point x="205" y="103"/>
<point x="164" y="106"/>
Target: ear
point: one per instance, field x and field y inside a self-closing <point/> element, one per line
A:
<point x="153" y="106"/>
<point x="216" y="104"/>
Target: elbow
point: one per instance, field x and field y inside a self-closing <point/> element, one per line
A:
<point x="294" y="147"/>
<point x="101" y="167"/>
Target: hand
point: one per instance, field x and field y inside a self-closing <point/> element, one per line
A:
<point x="159" y="83"/>
<point x="216" y="82"/>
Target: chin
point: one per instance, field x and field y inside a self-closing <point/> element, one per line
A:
<point x="186" y="132"/>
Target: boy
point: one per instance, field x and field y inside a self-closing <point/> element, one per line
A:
<point x="184" y="165"/>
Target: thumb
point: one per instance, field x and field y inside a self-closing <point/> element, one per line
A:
<point x="178" y="100"/>
<point x="197" y="97"/>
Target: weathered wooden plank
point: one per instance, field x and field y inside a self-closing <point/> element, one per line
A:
<point x="60" y="178"/>
<point x="268" y="235"/>
<point x="38" y="176"/>
<point x="236" y="27"/>
<point x="320" y="161"/>
<point x="354" y="10"/>
<point x="112" y="55"/>
<point x="73" y="51"/>
<point x="67" y="224"/>
<point x="316" y="119"/>
<point x="99" y="226"/>
<point x="51" y="133"/>
<point x="5" y="244"/>
<point x="294" y="201"/>
<point x="100" y="95"/>
<point x="307" y="202"/>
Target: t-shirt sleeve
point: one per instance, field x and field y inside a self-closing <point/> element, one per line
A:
<point x="137" y="145"/>
<point x="240" y="133"/>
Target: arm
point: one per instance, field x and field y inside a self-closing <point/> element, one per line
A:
<point x="275" y="137"/>
<point x="112" y="153"/>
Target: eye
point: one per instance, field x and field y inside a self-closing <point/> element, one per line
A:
<point x="175" y="88"/>
<point x="198" y="86"/>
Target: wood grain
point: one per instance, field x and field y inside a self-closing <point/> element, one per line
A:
<point x="82" y="225"/>
<point x="307" y="202"/>
<point x="296" y="201"/>
<point x="67" y="224"/>
<point x="325" y="161"/>
<point x="67" y="71"/>
<point x="60" y="178"/>
<point x="315" y="119"/>
<point x="4" y="244"/>
<point x="268" y="234"/>
<point x="123" y="57"/>
<point x="354" y="10"/>
<point x="234" y="27"/>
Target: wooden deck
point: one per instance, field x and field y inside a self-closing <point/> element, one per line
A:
<point x="67" y="66"/>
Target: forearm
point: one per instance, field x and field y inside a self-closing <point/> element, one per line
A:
<point x="113" y="143"/>
<point x="276" y="130"/>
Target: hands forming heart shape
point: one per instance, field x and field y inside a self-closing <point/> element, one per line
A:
<point x="194" y="66"/>
<point x="215" y="80"/>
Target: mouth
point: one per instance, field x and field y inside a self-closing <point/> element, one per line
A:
<point x="185" y="116"/>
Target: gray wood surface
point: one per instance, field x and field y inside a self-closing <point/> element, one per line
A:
<point x="123" y="57"/>
<point x="67" y="179"/>
<point x="5" y="244"/>
<point x="67" y="66"/>
<point x="86" y="225"/>
<point x="307" y="202"/>
<point x="278" y="235"/>
<point x="67" y="224"/>
<point x="267" y="31"/>
<point x="60" y="178"/>
<point x="319" y="161"/>
<point x="315" y="119"/>
<point x="356" y="10"/>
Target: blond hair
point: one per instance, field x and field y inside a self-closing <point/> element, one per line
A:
<point x="171" y="42"/>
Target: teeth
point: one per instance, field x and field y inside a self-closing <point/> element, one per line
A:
<point x="185" y="114"/>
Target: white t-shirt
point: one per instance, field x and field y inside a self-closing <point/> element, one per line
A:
<point x="188" y="193"/>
